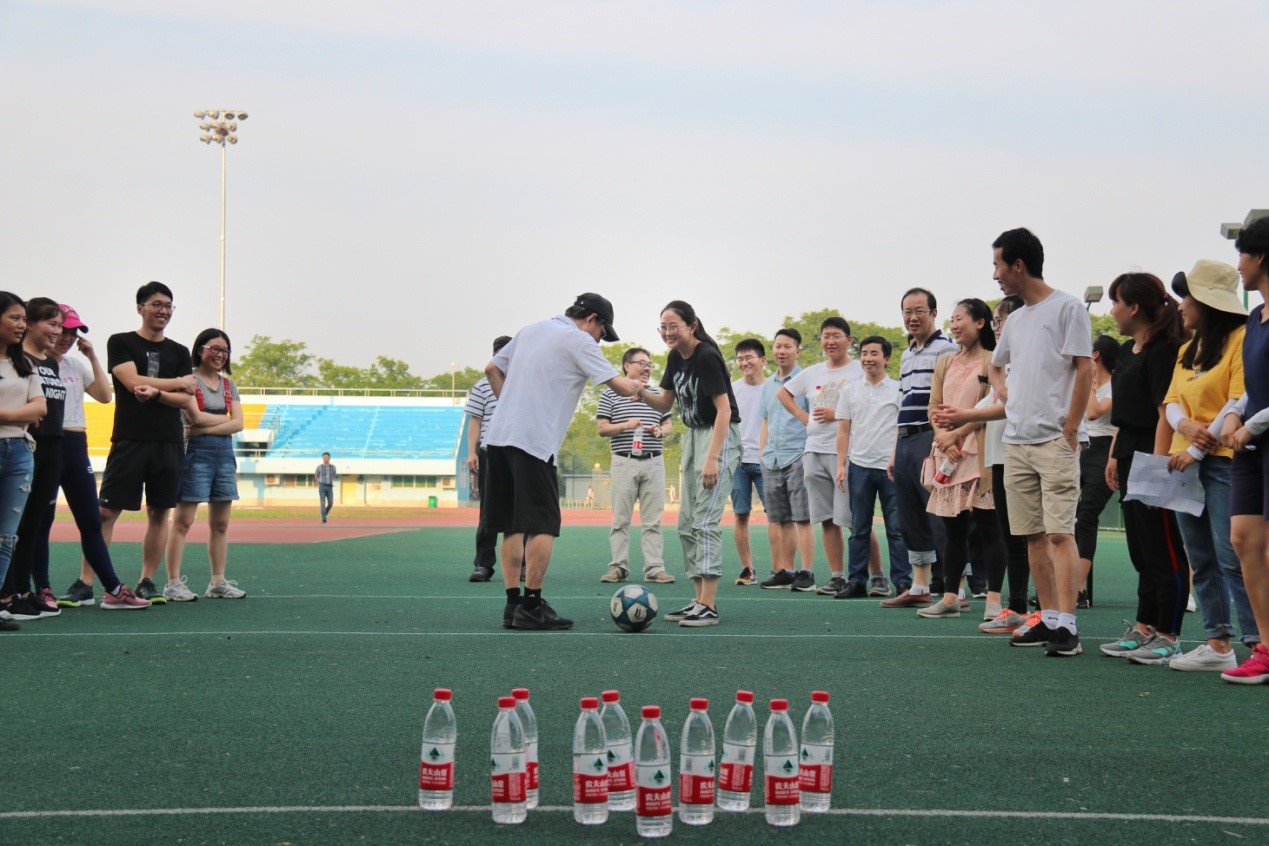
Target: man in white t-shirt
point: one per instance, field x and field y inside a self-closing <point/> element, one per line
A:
<point x="751" y="359"/>
<point x="1048" y="349"/>
<point x="822" y="385"/>
<point x="538" y="378"/>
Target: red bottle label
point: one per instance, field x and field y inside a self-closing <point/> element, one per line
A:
<point x="508" y="787"/>
<point x="436" y="776"/>
<point x="589" y="789"/>
<point x="653" y="802"/>
<point x="532" y="773"/>
<point x="621" y="778"/>
<point x="738" y="778"/>
<point x="696" y="790"/>
<point x="816" y="778"/>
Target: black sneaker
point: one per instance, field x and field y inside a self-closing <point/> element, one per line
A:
<point x="677" y="616"/>
<point x="78" y="594"/>
<point x="701" y="616"/>
<point x="1063" y="643"/>
<point x="34" y="600"/>
<point x="803" y="581"/>
<point x="147" y="590"/>
<point x="853" y="590"/>
<point x="779" y="580"/>
<point x="1081" y="601"/>
<point x="833" y="586"/>
<point x="746" y="577"/>
<point x="20" y="608"/>
<point x="543" y="618"/>
<point x="481" y="574"/>
<point x="7" y="625"/>
<point x="508" y="613"/>
<point x="1037" y="635"/>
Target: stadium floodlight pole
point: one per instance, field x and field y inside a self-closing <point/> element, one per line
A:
<point x="220" y="126"/>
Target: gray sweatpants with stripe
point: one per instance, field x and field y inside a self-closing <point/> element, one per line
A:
<point x="701" y="510"/>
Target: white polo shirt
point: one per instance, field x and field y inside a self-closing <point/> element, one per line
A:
<point x="873" y="412"/>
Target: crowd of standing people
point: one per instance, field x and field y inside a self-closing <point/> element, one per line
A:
<point x="992" y="456"/>
<point x="175" y="415"/>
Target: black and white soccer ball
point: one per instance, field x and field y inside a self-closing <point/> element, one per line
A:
<point x="633" y="608"/>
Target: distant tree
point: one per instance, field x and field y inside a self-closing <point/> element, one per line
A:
<point x="274" y="364"/>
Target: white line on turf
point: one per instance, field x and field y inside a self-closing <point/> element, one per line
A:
<point x="557" y="809"/>
<point x="664" y="631"/>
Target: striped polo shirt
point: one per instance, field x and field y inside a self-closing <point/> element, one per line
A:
<point x="481" y="403"/>
<point x="618" y="409"/>
<point x="916" y="375"/>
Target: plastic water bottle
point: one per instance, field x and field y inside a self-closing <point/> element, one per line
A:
<point x="636" y="441"/>
<point x="654" y="781"/>
<point x="740" y="743"/>
<point x="696" y="766"/>
<point x="590" y="766"/>
<point x="507" y="772"/>
<point x="945" y="472"/>
<point x="621" y="777"/>
<point x="530" y="722"/>
<point x="436" y="758"/>
<point x="816" y="759"/>
<point x="780" y="766"/>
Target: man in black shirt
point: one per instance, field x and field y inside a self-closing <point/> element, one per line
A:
<point x="153" y="378"/>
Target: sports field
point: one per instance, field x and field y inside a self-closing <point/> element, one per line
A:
<point x="293" y="716"/>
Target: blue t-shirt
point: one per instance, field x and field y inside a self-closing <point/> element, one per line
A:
<point x="1256" y="363"/>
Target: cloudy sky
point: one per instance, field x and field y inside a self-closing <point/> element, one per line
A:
<point x="418" y="177"/>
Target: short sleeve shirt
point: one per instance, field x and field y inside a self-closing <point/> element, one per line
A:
<point x="873" y="412"/>
<point x="50" y="378"/>
<point x="786" y="436"/>
<point x="77" y="375"/>
<point x="615" y="408"/>
<point x="481" y="404"/>
<point x="695" y="382"/>
<point x="749" y="401"/>
<point x="153" y="420"/>
<point x="823" y="386"/>
<point x="15" y="392"/>
<point x="1139" y="384"/>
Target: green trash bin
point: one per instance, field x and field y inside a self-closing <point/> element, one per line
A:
<point x="431" y="502"/>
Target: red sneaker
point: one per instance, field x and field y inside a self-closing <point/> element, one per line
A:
<point x="1255" y="670"/>
<point x="125" y="601"/>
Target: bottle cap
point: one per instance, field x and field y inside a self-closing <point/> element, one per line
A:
<point x="698" y="704"/>
<point x="521" y="693"/>
<point x="745" y="696"/>
<point x="650" y="712"/>
<point x="610" y="696"/>
<point x="444" y="694"/>
<point x="506" y="702"/>
<point x="589" y="703"/>
<point x="819" y="696"/>
<point x="779" y="704"/>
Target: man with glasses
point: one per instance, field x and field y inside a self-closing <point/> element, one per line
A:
<point x="538" y="378"/>
<point x="914" y="436"/>
<point x="751" y="359"/>
<point x="822" y="385"/>
<point x="153" y="379"/>
<point x="636" y="433"/>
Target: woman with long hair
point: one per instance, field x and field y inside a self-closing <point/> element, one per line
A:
<point x="961" y="493"/>
<point x="1094" y="494"/>
<point x="213" y="415"/>
<point x="21" y="405"/>
<point x="1208" y="374"/>
<point x="696" y="375"/>
<point x="1143" y="311"/>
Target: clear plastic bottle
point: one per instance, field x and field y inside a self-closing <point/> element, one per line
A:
<point x="946" y="471"/>
<point x="507" y="772"/>
<point x="816" y="760"/>
<point x="696" y="766"/>
<point x="740" y="744"/>
<point x="654" y="780"/>
<point x="780" y="766"/>
<point x="436" y="757"/>
<point x="590" y="766"/>
<point x="621" y="780"/>
<point x="530" y="722"/>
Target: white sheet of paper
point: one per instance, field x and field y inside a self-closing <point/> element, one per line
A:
<point x="1152" y="483"/>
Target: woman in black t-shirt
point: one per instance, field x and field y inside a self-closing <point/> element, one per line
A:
<point x="696" y="375"/>
<point x="1143" y="310"/>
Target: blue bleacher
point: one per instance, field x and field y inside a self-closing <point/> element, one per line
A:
<point x="365" y="431"/>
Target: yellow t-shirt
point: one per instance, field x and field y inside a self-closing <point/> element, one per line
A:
<point x="1202" y="394"/>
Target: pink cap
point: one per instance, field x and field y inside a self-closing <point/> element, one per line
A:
<point x="506" y="702"/>
<point x="589" y="703"/>
<point x="521" y="693"/>
<point x="444" y="694"/>
<point x="744" y="696"/>
<point x="698" y="704"/>
<point x="779" y="704"/>
<point x="819" y="696"/>
<point x="650" y="712"/>
<point x="70" y="318"/>
<point x="610" y="696"/>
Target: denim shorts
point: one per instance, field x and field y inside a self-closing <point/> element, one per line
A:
<point x="210" y="470"/>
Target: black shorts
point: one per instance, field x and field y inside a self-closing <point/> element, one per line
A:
<point x="133" y="465"/>
<point x="1248" y="482"/>
<point x="522" y="494"/>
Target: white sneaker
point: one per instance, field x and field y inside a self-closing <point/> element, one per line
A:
<point x="1190" y="605"/>
<point x="178" y="592"/>
<point x="224" y="590"/>
<point x="1204" y="658"/>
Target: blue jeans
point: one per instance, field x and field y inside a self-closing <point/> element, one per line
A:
<point x="326" y="496"/>
<point x="17" y="463"/>
<point x="866" y="485"/>
<point x="746" y="478"/>
<point x="1217" y="575"/>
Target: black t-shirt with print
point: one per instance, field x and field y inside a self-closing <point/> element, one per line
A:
<point x="696" y="381"/>
<point x="50" y="376"/>
<point x="146" y="421"/>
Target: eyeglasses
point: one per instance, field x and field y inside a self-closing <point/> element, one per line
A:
<point x="156" y="305"/>
<point x="217" y="351"/>
<point x="640" y="362"/>
<point x="670" y="328"/>
<point x="915" y="312"/>
<point x="743" y="359"/>
<point x="832" y="336"/>
<point x="996" y="323"/>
